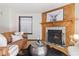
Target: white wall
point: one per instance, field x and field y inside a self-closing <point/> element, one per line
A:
<point x="77" y="18"/>
<point x="4" y="20"/>
<point x="14" y="23"/>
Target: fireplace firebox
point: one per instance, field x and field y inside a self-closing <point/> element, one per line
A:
<point x="55" y="36"/>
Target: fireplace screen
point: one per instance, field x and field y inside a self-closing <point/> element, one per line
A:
<point x="55" y="36"/>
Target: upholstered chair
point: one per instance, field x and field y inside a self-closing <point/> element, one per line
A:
<point x="5" y="49"/>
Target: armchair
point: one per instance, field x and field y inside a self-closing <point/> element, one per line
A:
<point x="12" y="48"/>
<point x="7" y="49"/>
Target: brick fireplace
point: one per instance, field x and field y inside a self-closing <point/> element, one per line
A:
<point x="56" y="35"/>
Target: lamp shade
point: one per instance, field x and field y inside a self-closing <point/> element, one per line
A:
<point x="76" y="36"/>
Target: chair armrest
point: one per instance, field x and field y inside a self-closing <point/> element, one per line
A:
<point x="4" y="51"/>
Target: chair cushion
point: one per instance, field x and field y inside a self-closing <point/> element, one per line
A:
<point x="16" y="38"/>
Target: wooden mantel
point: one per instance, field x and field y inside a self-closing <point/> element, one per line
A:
<point x="69" y="10"/>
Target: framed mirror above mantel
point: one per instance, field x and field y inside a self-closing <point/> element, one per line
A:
<point x="62" y="16"/>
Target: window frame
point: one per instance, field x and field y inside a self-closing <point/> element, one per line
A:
<point x="31" y="23"/>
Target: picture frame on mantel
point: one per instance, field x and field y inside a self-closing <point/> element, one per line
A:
<point x="56" y="15"/>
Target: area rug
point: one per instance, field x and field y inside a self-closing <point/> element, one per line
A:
<point x="50" y="52"/>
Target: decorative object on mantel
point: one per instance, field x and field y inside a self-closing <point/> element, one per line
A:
<point x="55" y="16"/>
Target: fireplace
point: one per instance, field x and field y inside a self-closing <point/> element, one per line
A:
<point x="56" y="35"/>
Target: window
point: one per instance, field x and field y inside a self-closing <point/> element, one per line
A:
<point x="25" y="24"/>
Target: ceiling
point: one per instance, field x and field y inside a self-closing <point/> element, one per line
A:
<point x="31" y="7"/>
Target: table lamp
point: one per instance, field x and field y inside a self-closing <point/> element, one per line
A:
<point x="74" y="38"/>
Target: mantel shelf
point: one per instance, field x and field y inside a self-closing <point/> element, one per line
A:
<point x="56" y="22"/>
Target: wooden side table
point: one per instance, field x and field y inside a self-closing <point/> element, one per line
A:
<point x="4" y="51"/>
